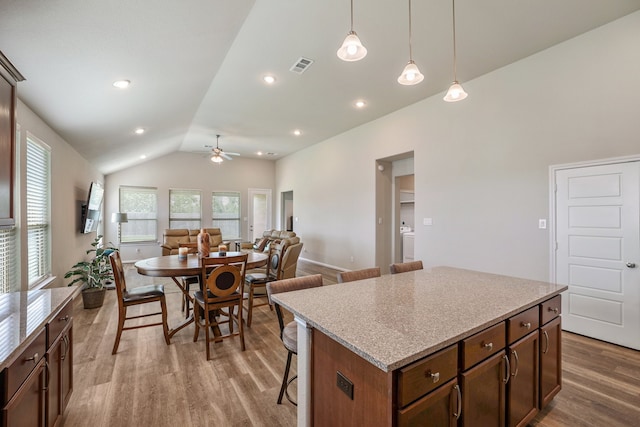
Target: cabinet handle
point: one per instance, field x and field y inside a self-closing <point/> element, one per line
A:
<point x="554" y="309"/>
<point x="546" y="341"/>
<point x="65" y="339"/>
<point x="64" y="319"/>
<point x="488" y="346"/>
<point x="517" y="364"/>
<point x="507" y="371"/>
<point x="459" y="403"/>
<point x="33" y="358"/>
<point x="48" y="375"/>
<point x="526" y="325"/>
<point x="435" y="377"/>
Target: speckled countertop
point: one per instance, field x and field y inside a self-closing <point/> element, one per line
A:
<point x="394" y="320"/>
<point x="24" y="314"/>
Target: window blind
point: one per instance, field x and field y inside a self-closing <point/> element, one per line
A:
<point x="226" y="213"/>
<point x="8" y="260"/>
<point x="38" y="200"/>
<point x="141" y="206"/>
<point x="185" y="209"/>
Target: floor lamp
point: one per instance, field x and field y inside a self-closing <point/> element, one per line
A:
<point x="119" y="218"/>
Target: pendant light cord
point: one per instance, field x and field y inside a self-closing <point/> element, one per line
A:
<point x="410" y="34"/>
<point x="455" y="73"/>
<point x="351" y="15"/>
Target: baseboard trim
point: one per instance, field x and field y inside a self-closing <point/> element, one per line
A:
<point x="322" y="264"/>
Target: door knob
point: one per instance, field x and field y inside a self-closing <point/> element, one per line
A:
<point x="631" y="264"/>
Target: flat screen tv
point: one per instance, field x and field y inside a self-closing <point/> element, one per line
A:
<point x="91" y="210"/>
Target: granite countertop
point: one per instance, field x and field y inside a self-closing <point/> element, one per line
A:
<point x="396" y="319"/>
<point x="24" y="314"/>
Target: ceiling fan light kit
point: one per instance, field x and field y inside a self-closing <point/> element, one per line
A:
<point x="218" y="155"/>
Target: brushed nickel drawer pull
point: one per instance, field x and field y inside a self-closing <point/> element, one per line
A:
<point x="64" y="319"/>
<point x="515" y="354"/>
<point x="435" y="377"/>
<point x="526" y="325"/>
<point x="33" y="358"/>
<point x="554" y="309"/>
<point x="546" y="340"/>
<point x="507" y="370"/>
<point x="459" y="405"/>
<point x="488" y="346"/>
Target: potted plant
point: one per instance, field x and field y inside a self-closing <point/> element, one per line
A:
<point x="93" y="274"/>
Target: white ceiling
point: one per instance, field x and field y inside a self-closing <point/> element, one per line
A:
<point x="196" y="66"/>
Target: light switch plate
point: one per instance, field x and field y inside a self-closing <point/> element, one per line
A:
<point x="427" y="221"/>
<point x="542" y="224"/>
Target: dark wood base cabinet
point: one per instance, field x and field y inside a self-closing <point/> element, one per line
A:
<point x="36" y="387"/>
<point x="500" y="376"/>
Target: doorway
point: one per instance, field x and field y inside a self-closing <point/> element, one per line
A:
<point x="287" y="210"/>
<point x="259" y="211"/>
<point x="597" y="249"/>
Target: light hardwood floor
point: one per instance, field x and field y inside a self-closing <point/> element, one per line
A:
<point x="151" y="384"/>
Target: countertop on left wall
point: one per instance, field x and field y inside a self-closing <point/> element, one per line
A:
<point x="23" y="314"/>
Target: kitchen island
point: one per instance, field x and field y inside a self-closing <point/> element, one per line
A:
<point x="378" y="351"/>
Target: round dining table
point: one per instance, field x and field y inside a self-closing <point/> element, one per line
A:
<point x="174" y="267"/>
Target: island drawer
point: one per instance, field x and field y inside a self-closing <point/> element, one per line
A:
<point x="522" y="323"/>
<point x="482" y="345"/>
<point x="58" y="323"/>
<point x="419" y="378"/>
<point x="550" y="309"/>
<point x="15" y="374"/>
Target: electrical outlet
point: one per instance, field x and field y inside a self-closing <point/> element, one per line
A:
<point x="344" y="384"/>
<point x="542" y="224"/>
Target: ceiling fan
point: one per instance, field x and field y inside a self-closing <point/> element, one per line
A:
<point x="218" y="155"/>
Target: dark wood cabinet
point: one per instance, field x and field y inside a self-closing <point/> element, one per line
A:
<point x="26" y="406"/>
<point x="550" y="360"/>
<point x="9" y="76"/>
<point x="439" y="408"/>
<point x="59" y="376"/>
<point x="522" y="388"/>
<point x="484" y="392"/>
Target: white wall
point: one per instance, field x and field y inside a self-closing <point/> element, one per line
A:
<point x="481" y="165"/>
<point x="186" y="171"/>
<point x="71" y="176"/>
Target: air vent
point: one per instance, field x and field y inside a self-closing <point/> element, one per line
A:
<point x="301" y="65"/>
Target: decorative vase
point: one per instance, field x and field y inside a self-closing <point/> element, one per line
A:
<point x="93" y="297"/>
<point x="203" y="244"/>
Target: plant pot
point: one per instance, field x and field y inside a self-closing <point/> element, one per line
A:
<point x="93" y="297"/>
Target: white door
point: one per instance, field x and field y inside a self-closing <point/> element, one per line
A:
<point x="598" y="251"/>
<point x="259" y="212"/>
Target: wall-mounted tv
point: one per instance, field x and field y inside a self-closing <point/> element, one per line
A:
<point x="91" y="210"/>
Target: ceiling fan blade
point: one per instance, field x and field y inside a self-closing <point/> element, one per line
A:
<point x="226" y="156"/>
<point x="232" y="154"/>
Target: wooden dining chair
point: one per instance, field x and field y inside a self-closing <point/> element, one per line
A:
<point x="289" y="332"/>
<point x="223" y="287"/>
<point x="351" y="276"/>
<point x="135" y="296"/>
<point x="256" y="281"/>
<point x="403" y="267"/>
<point x="187" y="281"/>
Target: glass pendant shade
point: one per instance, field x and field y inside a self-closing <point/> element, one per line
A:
<point x="217" y="159"/>
<point x="455" y="93"/>
<point x="410" y="75"/>
<point x="352" y="49"/>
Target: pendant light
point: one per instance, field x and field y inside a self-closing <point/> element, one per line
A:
<point x="410" y="75"/>
<point x="352" y="49"/>
<point x="455" y="92"/>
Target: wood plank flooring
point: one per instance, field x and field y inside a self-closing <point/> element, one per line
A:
<point x="151" y="384"/>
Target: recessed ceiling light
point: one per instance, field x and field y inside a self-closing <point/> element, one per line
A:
<point x="360" y="103"/>
<point x="143" y="157"/>
<point x="139" y="131"/>
<point x="269" y="79"/>
<point x="297" y="132"/>
<point x="122" y="84"/>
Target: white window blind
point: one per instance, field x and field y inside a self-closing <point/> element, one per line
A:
<point x="185" y="209"/>
<point x="38" y="201"/>
<point x="226" y="213"/>
<point x="8" y="260"/>
<point x="141" y="206"/>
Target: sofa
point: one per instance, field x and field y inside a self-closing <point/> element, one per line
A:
<point x="269" y="237"/>
<point x="172" y="238"/>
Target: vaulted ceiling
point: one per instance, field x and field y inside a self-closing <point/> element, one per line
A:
<point x="196" y="66"/>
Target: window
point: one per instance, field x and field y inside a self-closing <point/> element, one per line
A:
<point x="226" y="214"/>
<point x="141" y="206"/>
<point x="185" y="210"/>
<point x="8" y="260"/>
<point x="38" y="200"/>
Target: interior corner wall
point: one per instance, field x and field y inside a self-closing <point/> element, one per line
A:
<point x="481" y="165"/>
<point x="71" y="176"/>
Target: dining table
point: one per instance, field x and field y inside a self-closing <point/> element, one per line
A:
<point x="175" y="267"/>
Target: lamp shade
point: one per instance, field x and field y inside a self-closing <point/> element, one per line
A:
<point x="410" y="75"/>
<point x="455" y="93"/>
<point x="119" y="217"/>
<point x="217" y="158"/>
<point x="352" y="49"/>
